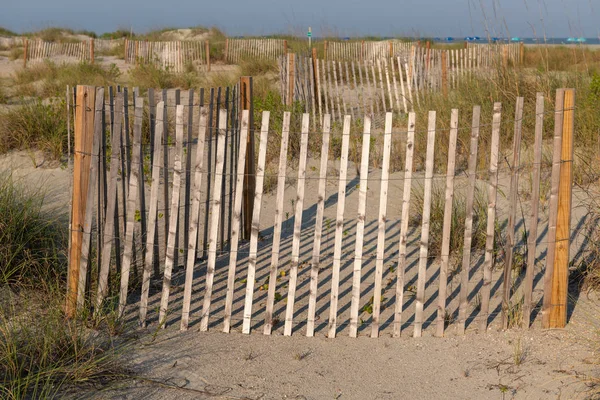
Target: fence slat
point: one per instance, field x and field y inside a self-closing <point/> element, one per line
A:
<point x="534" y="217"/>
<point x="132" y="203"/>
<point x="258" y="193"/>
<point x="339" y="228"/>
<point x="512" y="213"/>
<point x="360" y="227"/>
<point x="408" y="166"/>
<point x="385" y="170"/>
<point x="316" y="253"/>
<point x="174" y="215"/>
<point x="215" y="219"/>
<point x="196" y="192"/>
<point x="277" y="223"/>
<point x="491" y="219"/>
<point x="109" y="223"/>
<point x="151" y="250"/>
<point x="447" y="224"/>
<point x="91" y="191"/>
<point x="425" y="225"/>
<point x="468" y="236"/>
<point x="237" y="213"/>
<point x="289" y="312"/>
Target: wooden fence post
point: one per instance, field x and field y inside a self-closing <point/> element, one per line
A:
<point x="521" y="53"/>
<point x="250" y="172"/>
<point x="560" y="277"/>
<point x="84" y="134"/>
<point x="391" y="48"/>
<point x="25" y="53"/>
<point x="285" y="47"/>
<point x="362" y="50"/>
<point x="207" y="50"/>
<point x="226" y="50"/>
<point x="325" y="50"/>
<point x="92" y="51"/>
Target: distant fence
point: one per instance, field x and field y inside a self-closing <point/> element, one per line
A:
<point x="39" y="50"/>
<point x="175" y="55"/>
<point x="365" y="50"/>
<point x="376" y="86"/>
<point x="105" y="45"/>
<point x="380" y="274"/>
<point x="237" y="50"/>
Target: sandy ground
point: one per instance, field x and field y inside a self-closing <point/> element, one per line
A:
<point x="168" y="364"/>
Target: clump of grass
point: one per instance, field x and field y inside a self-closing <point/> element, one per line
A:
<point x="16" y="53"/>
<point x="118" y="34"/>
<point x="436" y="220"/>
<point x="255" y="67"/>
<point x="56" y="77"/>
<point x="41" y="354"/>
<point x="151" y="76"/>
<point x="35" y="126"/>
<point x="30" y="243"/>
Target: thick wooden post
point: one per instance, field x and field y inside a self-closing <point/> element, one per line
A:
<point x="84" y="134"/>
<point x="362" y="50"/>
<point x="325" y="50"/>
<point x="250" y="171"/>
<point x="92" y="51"/>
<point x="560" y="277"/>
<point x="226" y="50"/>
<point x="285" y="47"/>
<point x="207" y="50"/>
<point x="25" y="53"/>
<point x="391" y="48"/>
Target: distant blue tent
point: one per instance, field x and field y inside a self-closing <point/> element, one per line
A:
<point x="346" y="38"/>
<point x="477" y="38"/>
<point x="449" y="39"/>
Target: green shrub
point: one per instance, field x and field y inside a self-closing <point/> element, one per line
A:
<point x="147" y="76"/>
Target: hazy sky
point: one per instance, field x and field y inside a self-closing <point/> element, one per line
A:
<point x="558" y="18"/>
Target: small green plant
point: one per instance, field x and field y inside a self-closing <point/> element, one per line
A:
<point x="519" y="352"/>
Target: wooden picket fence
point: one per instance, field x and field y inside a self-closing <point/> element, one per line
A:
<point x="295" y="252"/>
<point x="377" y="86"/>
<point x="237" y="50"/>
<point x="175" y="55"/>
<point x="365" y="50"/>
<point x="105" y="45"/>
<point x="39" y="50"/>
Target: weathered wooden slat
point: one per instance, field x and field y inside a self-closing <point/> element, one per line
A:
<point x="491" y="219"/>
<point x="285" y="133"/>
<point x="316" y="253"/>
<point x="289" y="312"/>
<point x="214" y="220"/>
<point x="258" y="193"/>
<point x="553" y="208"/>
<point x="89" y="204"/>
<point x="132" y="203"/>
<point x="408" y="167"/>
<point x="534" y="214"/>
<point x="174" y="215"/>
<point x="425" y="225"/>
<point x="360" y="227"/>
<point x="237" y="213"/>
<point x="512" y="213"/>
<point x="447" y="224"/>
<point x="151" y="249"/>
<point x="468" y="236"/>
<point x="339" y="228"/>
<point x="383" y="194"/>
<point x="111" y="206"/>
<point x="196" y="192"/>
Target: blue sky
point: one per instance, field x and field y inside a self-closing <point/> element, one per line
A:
<point x="558" y="18"/>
